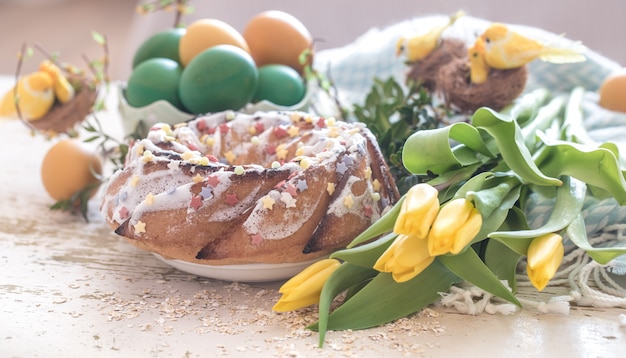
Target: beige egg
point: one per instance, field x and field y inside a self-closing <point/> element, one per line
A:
<point x="613" y="92"/>
<point x="276" y="37"/>
<point x="68" y="167"/>
<point x="206" y="33"/>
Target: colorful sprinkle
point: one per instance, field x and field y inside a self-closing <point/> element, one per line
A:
<point x="376" y="185"/>
<point x="321" y="122"/>
<point x="348" y="201"/>
<point x="124" y="213"/>
<point x="259" y="127"/>
<point x="187" y="155"/>
<point x="230" y="115"/>
<point x="288" y="200"/>
<point x="231" y="199"/>
<point x="293" y="131"/>
<point x="256" y="239"/>
<point x="139" y="149"/>
<point x="173" y="165"/>
<point x="196" y="202"/>
<point x="281" y="152"/>
<point x="292" y="190"/>
<point x="252" y="130"/>
<point x="270" y="149"/>
<point x="134" y="180"/>
<point x="149" y="199"/>
<point x="268" y="202"/>
<point x="209" y="140"/>
<point x="342" y="168"/>
<point x="206" y="192"/>
<point x="280" y="132"/>
<point x="230" y="156"/>
<point x="255" y="140"/>
<point x="275" y="165"/>
<point x="301" y="185"/>
<point x="201" y="126"/>
<point x="213" y="180"/>
<point x="239" y="170"/>
<point x="300" y="151"/>
<point x="224" y="128"/>
<point x="305" y="163"/>
<point x="368" y="173"/>
<point x="204" y="161"/>
<point x="330" y="188"/>
<point x="331" y="121"/>
<point x="375" y="196"/>
<point x="140" y="227"/>
<point x="197" y="178"/>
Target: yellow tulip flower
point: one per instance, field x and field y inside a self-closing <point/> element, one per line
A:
<point x="418" y="211"/>
<point x="406" y="258"/>
<point x="545" y="254"/>
<point x="304" y="289"/>
<point x="456" y="225"/>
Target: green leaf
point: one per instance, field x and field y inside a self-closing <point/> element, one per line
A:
<point x="595" y="166"/>
<point x="384" y="300"/>
<point x="471" y="268"/>
<point x="545" y="117"/>
<point x="502" y="261"/>
<point x="365" y="255"/>
<point x="429" y="150"/>
<point x="577" y="233"/>
<point x="98" y="38"/>
<point x="345" y="277"/>
<point x="568" y="204"/>
<point x="510" y="141"/>
<point x="526" y="106"/>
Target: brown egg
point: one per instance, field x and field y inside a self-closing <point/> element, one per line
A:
<point x="205" y="33"/>
<point x="276" y="37"/>
<point x="613" y="92"/>
<point x="69" y="167"/>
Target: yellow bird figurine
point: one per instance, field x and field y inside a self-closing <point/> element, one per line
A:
<point x="417" y="47"/>
<point x="35" y="97"/>
<point x="63" y="90"/>
<point x="479" y="70"/>
<point x="506" y="49"/>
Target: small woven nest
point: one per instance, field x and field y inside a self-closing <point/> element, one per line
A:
<point x="446" y="71"/>
<point x="62" y="118"/>
<point x="426" y="71"/>
<point x="501" y="88"/>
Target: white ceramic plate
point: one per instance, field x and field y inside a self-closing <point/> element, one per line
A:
<point x="240" y="273"/>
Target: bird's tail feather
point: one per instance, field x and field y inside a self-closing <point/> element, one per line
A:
<point x="569" y="54"/>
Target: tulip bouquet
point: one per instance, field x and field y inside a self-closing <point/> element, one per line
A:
<point x="465" y="221"/>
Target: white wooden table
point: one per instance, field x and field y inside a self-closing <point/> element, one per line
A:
<point x="74" y="289"/>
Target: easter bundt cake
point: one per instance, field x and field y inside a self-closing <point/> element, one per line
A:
<point x="233" y="188"/>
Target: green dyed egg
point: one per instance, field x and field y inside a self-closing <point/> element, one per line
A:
<point x="152" y="80"/>
<point x="219" y="78"/>
<point x="163" y="44"/>
<point x="280" y="84"/>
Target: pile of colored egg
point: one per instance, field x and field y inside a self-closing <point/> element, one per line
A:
<point x="209" y="66"/>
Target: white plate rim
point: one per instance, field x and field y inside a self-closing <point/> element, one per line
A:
<point x="253" y="272"/>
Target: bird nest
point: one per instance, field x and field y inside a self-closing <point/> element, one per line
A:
<point x="446" y="71"/>
<point x="63" y="117"/>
